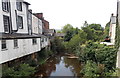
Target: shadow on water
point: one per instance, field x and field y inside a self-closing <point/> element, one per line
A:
<point x="59" y="65"/>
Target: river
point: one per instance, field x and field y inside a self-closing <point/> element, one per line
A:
<point x="59" y="65"/>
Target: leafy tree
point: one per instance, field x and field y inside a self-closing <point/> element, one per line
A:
<point x="106" y="31"/>
<point x="83" y="36"/>
<point x="91" y="70"/>
<point x="67" y="28"/>
<point x="94" y="32"/>
<point x="74" y="42"/>
<point x="96" y="26"/>
<point x="57" y="45"/>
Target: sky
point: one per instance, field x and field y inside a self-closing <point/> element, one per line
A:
<point x="74" y="12"/>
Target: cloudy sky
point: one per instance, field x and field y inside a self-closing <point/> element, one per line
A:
<point x="74" y="12"/>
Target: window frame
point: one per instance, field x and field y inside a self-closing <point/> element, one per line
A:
<point x="5" y="6"/>
<point x="42" y="39"/>
<point x="3" y="44"/>
<point x="18" y="23"/>
<point x="15" y="41"/>
<point x="8" y="25"/>
<point x="34" y="41"/>
<point x="19" y="6"/>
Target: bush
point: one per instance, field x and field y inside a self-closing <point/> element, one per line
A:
<point x="91" y="70"/>
<point x="21" y="71"/>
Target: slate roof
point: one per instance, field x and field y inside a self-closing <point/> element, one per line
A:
<point x="60" y="34"/>
<point x="20" y="36"/>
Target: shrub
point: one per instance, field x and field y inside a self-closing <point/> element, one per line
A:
<point x="23" y="70"/>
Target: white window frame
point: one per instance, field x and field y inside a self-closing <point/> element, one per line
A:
<point x="34" y="41"/>
<point x="20" y="22"/>
<point x="5" y="5"/>
<point x="6" y="23"/>
<point x="15" y="43"/>
<point x="3" y="43"/>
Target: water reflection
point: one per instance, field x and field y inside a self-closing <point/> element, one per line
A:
<point x="60" y="65"/>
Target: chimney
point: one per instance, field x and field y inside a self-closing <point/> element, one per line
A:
<point x="112" y="14"/>
<point x="30" y="10"/>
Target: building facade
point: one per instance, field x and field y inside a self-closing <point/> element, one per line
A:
<point x="20" y="31"/>
<point x="112" y="30"/>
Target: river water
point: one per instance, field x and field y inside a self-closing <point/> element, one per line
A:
<point x="59" y="65"/>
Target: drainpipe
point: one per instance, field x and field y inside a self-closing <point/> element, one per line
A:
<point x="10" y="19"/>
<point x="16" y="21"/>
<point x="11" y="29"/>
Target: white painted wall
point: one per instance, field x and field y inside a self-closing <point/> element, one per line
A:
<point x="112" y="30"/>
<point x="25" y="47"/>
<point x="44" y="43"/>
<point x="1" y="17"/>
<point x="1" y="22"/>
<point x="40" y="28"/>
<point x="34" y="25"/>
<point x="24" y="15"/>
<point x="118" y="59"/>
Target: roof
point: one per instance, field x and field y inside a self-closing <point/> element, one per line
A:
<point x="26" y="2"/>
<point x="60" y="34"/>
<point x="50" y="31"/>
<point x="20" y="36"/>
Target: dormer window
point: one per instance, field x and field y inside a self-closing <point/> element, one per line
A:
<point x="5" y="5"/>
<point x="19" y="6"/>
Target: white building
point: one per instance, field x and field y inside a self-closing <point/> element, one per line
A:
<point x="19" y="35"/>
<point x="112" y="30"/>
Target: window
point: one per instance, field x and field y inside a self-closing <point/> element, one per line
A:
<point x="6" y="23"/>
<point x="4" y="44"/>
<point x="45" y="39"/>
<point x="19" y="6"/>
<point x="15" y="43"/>
<point x="20" y="22"/>
<point x="34" y="41"/>
<point x="5" y="5"/>
<point x="42" y="39"/>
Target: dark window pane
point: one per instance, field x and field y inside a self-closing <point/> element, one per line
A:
<point x="3" y="44"/>
<point x="6" y="23"/>
<point x="15" y="43"/>
<point x="34" y="41"/>
<point x="20" y="22"/>
<point x="5" y="5"/>
<point x="19" y="6"/>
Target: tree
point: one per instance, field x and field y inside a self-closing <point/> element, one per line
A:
<point x="74" y="42"/>
<point x="67" y="28"/>
<point x="96" y="27"/>
<point x="94" y="32"/>
<point x="69" y="32"/>
<point x="106" y="31"/>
